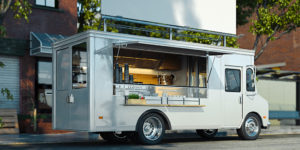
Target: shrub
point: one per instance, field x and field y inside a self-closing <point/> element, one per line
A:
<point x="133" y="96"/>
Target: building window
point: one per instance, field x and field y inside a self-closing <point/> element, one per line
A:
<point x="233" y="80"/>
<point x="47" y="3"/>
<point x="45" y="72"/>
<point x="250" y="80"/>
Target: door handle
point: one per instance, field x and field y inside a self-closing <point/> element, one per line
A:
<point x="241" y="99"/>
<point x="70" y="98"/>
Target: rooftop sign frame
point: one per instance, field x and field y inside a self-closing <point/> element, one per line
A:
<point x="215" y="16"/>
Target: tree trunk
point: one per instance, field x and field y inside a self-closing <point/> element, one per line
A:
<point x="81" y="21"/>
<point x="3" y="9"/>
<point x="266" y="43"/>
<point x="256" y="42"/>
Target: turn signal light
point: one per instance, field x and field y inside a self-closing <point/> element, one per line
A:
<point x="264" y="117"/>
<point x="100" y="117"/>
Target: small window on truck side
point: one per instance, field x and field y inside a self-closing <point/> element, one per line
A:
<point x="250" y="84"/>
<point x="79" y="66"/>
<point x="233" y="80"/>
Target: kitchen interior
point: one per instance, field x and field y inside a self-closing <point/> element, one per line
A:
<point x="153" y="76"/>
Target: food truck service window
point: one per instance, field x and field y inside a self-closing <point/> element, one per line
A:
<point x="233" y="80"/>
<point x="79" y="66"/>
<point x="153" y="68"/>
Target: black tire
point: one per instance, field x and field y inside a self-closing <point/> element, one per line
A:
<point x="150" y="129"/>
<point x="114" y="137"/>
<point x="250" y="128"/>
<point x="208" y="134"/>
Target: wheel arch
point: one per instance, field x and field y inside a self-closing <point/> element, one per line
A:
<point x="260" y="118"/>
<point x="159" y="112"/>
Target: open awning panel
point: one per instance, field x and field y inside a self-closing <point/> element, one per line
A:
<point x="164" y="49"/>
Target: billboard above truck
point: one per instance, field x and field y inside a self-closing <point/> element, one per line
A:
<point x="212" y="15"/>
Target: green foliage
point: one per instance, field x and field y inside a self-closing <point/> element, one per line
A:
<point x="39" y="116"/>
<point x="162" y="32"/>
<point x="88" y="19"/>
<point x="276" y="16"/>
<point x="22" y="9"/>
<point x="2" y="33"/>
<point x="88" y="14"/>
<point x="2" y="64"/>
<point x="5" y="91"/>
<point x="244" y="10"/>
<point x="133" y="96"/>
<point x="24" y="117"/>
<point x="1" y="123"/>
<point x="232" y="42"/>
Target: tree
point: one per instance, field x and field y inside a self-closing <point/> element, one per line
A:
<point x="88" y="12"/>
<point x="21" y="9"/>
<point x="244" y="10"/>
<point x="274" y="18"/>
<point x="89" y="18"/>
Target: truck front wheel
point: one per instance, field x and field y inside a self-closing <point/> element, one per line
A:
<point x="250" y="128"/>
<point x="150" y="129"/>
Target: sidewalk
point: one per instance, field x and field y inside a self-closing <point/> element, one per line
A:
<point x="22" y="139"/>
<point x="273" y="130"/>
<point x="75" y="137"/>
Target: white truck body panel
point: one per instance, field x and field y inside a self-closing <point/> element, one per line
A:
<point x="222" y="109"/>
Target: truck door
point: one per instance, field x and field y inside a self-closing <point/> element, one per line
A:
<point x="72" y="98"/>
<point x="63" y="88"/>
<point x="232" y="97"/>
<point x="249" y="88"/>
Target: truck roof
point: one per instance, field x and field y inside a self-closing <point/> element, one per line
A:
<point x="155" y="44"/>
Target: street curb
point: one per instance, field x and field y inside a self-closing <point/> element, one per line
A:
<point x="37" y="143"/>
<point x="94" y="140"/>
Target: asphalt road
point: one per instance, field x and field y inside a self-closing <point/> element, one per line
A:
<point x="181" y="142"/>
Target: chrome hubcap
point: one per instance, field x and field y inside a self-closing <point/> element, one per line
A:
<point x="152" y="128"/>
<point x="251" y="126"/>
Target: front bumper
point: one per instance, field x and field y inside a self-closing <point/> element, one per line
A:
<point x="268" y="125"/>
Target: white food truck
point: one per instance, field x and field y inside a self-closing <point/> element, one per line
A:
<point x="126" y="86"/>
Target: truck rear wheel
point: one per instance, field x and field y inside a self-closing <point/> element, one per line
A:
<point x="114" y="137"/>
<point x="250" y="128"/>
<point x="150" y="129"/>
<point x="208" y="133"/>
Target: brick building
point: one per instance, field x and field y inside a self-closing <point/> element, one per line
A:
<point x="21" y="74"/>
<point x="284" y="50"/>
